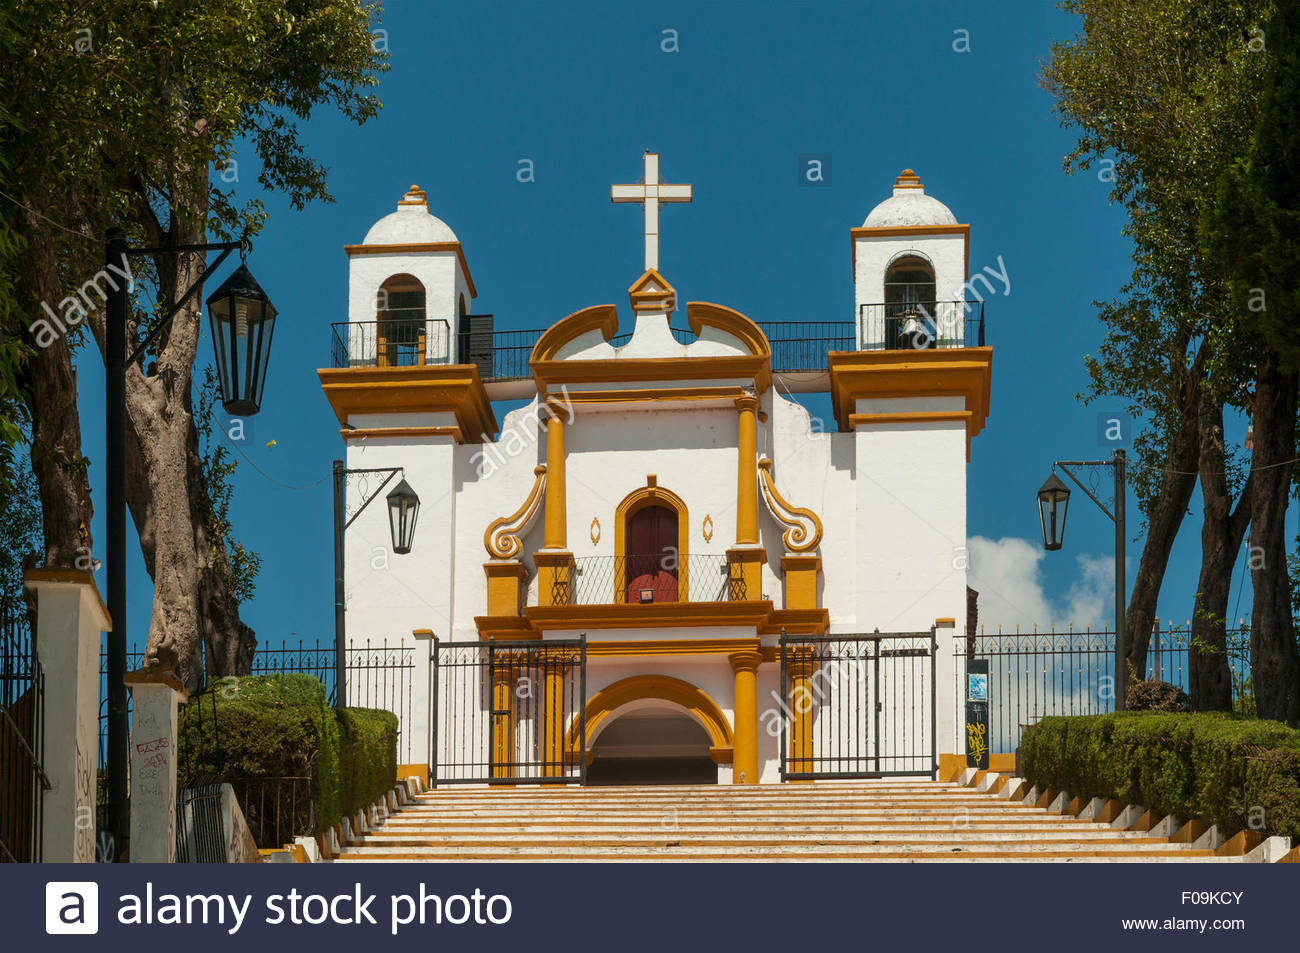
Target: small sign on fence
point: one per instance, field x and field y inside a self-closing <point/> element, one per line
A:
<point x="977" y="713"/>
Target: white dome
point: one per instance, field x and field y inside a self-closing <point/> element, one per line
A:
<point x="909" y="205"/>
<point x="411" y="224"/>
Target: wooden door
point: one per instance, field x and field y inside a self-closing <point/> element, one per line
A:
<point x="652" y="557"/>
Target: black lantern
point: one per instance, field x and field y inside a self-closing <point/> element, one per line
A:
<point x="403" y="508"/>
<point x="242" y="319"/>
<point x="1053" y="498"/>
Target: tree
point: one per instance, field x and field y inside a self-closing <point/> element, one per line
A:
<point x="178" y="88"/>
<point x="1163" y="93"/>
<point x="1253" y="234"/>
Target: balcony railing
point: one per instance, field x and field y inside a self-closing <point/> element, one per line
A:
<point x="921" y="325"/>
<point x="620" y="580"/>
<point x="401" y="337"/>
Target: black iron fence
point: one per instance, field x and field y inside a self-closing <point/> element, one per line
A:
<point x="858" y="706"/>
<point x="804" y="345"/>
<point x="1036" y="674"/>
<point x="509" y="712"/>
<point x="401" y="337"/>
<point x="23" y="781"/>
<point x="922" y="325"/>
<point x="616" y="580"/>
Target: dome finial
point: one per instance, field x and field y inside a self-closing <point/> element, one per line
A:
<point x="907" y="179"/>
<point x="414" y="196"/>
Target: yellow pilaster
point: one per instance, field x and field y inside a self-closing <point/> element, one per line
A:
<point x="744" y="767"/>
<point x="801" y="571"/>
<point x="554" y="666"/>
<point x="503" y="722"/>
<point x="747" y="472"/>
<point x="556" y="499"/>
<point x="504" y="586"/>
<point x="799" y="670"/>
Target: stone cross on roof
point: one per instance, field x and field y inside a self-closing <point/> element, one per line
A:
<point x="650" y="192"/>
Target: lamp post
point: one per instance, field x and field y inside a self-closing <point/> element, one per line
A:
<point x="1053" y="500"/>
<point x="240" y="312"/>
<point x="403" y="511"/>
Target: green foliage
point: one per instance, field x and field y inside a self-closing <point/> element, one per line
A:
<point x="1163" y="94"/>
<point x="282" y="726"/>
<point x="20" y="522"/>
<point x="1221" y="767"/>
<point x="236" y="564"/>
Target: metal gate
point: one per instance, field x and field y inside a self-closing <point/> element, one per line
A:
<point x="858" y="706"/>
<point x="23" y="781"/>
<point x="508" y="712"/>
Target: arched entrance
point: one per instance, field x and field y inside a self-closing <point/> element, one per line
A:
<point x="654" y="729"/>
<point x="658" y="744"/>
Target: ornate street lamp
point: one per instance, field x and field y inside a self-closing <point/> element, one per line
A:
<point x="1053" y="499"/>
<point x="243" y="320"/>
<point x="403" y="509"/>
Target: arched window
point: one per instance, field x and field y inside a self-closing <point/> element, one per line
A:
<point x="910" y="308"/>
<point x="400" y="322"/>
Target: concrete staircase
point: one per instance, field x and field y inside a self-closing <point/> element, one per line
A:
<point x="888" y="820"/>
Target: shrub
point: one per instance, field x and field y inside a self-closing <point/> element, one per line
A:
<point x="282" y="726"/>
<point x="1156" y="696"/>
<point x="1218" y="766"/>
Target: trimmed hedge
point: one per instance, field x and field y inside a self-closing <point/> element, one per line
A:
<point x="1218" y="766"/>
<point x="282" y="726"/>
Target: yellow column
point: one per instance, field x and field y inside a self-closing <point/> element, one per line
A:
<point x="744" y="735"/>
<point x="503" y="722"/>
<point x="555" y="488"/>
<point x="747" y="472"/>
<point x="554" y="666"/>
<point x="800" y="669"/>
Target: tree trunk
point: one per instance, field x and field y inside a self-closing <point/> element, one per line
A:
<point x="1163" y="522"/>
<point x="1274" y="665"/>
<point x="1222" y="529"/>
<point x="50" y="388"/>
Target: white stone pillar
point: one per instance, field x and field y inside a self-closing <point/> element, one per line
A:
<point x="70" y="617"/>
<point x="155" y="695"/>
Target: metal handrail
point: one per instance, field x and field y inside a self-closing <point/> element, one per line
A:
<point x="392" y="341"/>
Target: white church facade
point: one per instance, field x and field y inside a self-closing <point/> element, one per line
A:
<point x="658" y="566"/>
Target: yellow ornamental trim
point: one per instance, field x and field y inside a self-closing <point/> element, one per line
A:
<point x="502" y="535"/>
<point x="804" y="528"/>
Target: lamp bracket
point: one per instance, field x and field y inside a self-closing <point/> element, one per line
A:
<point x="363" y="487"/>
<point x="224" y="247"/>
<point x="1093" y="474"/>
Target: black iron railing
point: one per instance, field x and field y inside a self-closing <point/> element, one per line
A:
<point x="858" y="706"/>
<point x="619" y="580"/>
<point x="502" y="354"/>
<point x="1036" y="674"/>
<point x="803" y="345"/>
<point x="922" y="325"/>
<point x="509" y="712"/>
<point x="401" y="337"/>
<point x="23" y="781"/>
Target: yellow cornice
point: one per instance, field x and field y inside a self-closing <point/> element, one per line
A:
<point x="938" y="372"/>
<point x="652" y="292"/>
<point x="438" y="388"/>
<point x="702" y="314"/>
<point x="361" y="433"/>
<point x="796" y="622"/>
<point x="416" y="247"/>
<point x="649" y="615"/>
<point x="724" y="394"/>
<point x="635" y="647"/>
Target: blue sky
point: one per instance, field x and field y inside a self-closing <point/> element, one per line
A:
<point x="583" y="90"/>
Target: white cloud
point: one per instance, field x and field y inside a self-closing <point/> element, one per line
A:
<point x="1006" y="573"/>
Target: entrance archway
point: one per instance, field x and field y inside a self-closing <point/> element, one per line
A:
<point x="658" y="744"/>
<point x="653" y="747"/>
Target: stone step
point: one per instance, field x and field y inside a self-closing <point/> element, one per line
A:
<point x="758" y="839"/>
<point x="777" y="851"/>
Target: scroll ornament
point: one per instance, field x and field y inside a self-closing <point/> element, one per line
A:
<point x="803" y="528"/>
<point x="502" y="537"/>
